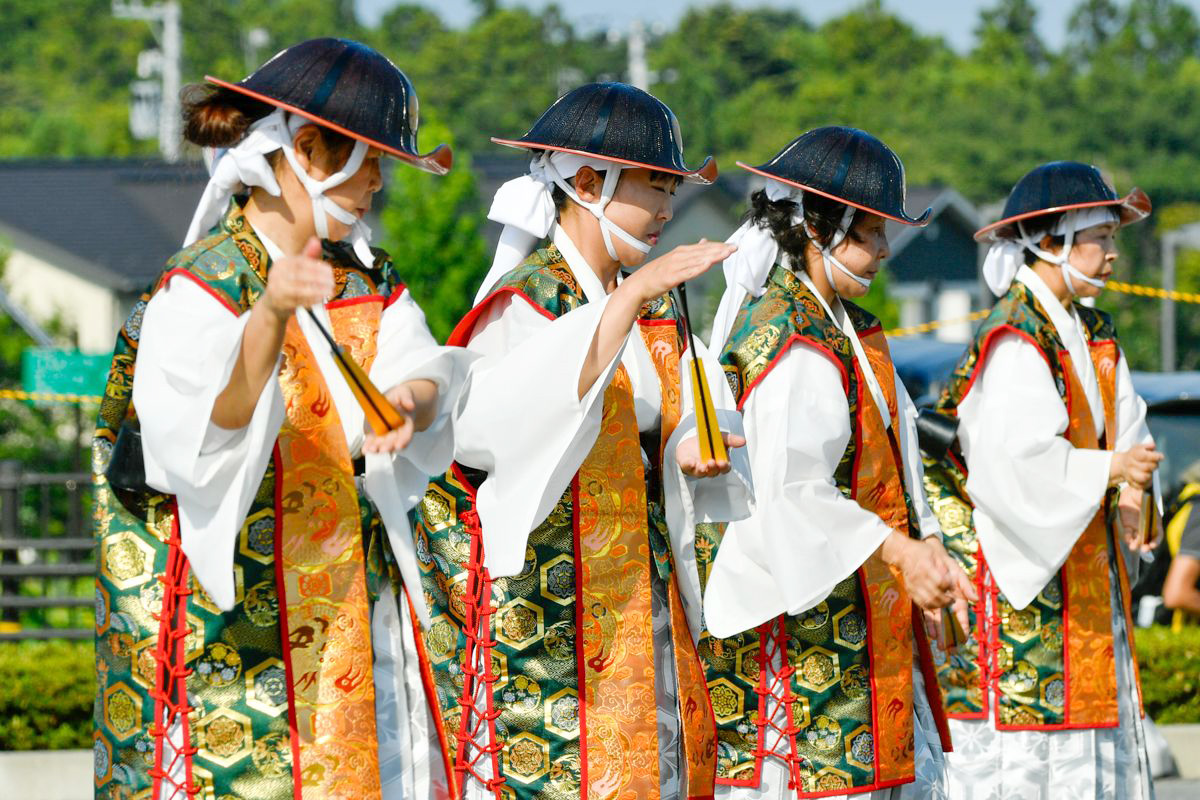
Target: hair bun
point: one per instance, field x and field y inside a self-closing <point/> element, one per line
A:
<point x="218" y="117"/>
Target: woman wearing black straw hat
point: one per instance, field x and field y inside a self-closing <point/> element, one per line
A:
<point x="559" y="546"/>
<point x="816" y="653"/>
<point x="252" y="636"/>
<point x="1042" y="502"/>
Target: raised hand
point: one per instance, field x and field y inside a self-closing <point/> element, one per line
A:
<point x="681" y="264"/>
<point x="298" y="282"/>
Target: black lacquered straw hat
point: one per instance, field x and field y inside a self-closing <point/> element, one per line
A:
<point x="615" y="122"/>
<point x="349" y="88"/>
<point x="847" y="165"/>
<point x="1062" y="186"/>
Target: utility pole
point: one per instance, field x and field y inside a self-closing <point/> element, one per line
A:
<point x="1173" y="241"/>
<point x="164" y="19"/>
<point x="639" y="71"/>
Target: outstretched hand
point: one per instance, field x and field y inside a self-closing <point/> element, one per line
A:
<point x="687" y="455"/>
<point x="402" y="399"/>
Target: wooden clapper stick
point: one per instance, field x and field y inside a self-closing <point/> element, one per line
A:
<point x="712" y="446"/>
<point x="381" y="415"/>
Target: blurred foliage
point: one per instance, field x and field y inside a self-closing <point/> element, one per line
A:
<point x="48" y="694"/>
<point x="1170" y="683"/>
<point x="432" y="226"/>
<point x="1119" y="93"/>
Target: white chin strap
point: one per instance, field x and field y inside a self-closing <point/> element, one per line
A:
<point x="612" y="175"/>
<point x="245" y="165"/>
<point x="360" y="234"/>
<point x="525" y="207"/>
<point x="1070" y="223"/>
<point x="827" y="256"/>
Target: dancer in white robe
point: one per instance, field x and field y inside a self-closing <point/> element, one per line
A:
<point x="1044" y="700"/>
<point x="282" y="520"/>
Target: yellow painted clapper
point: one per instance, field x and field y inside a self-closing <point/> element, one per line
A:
<point x="712" y="446"/>
<point x="381" y="415"/>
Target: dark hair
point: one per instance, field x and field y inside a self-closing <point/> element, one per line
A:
<point x="821" y="213"/>
<point x="1040" y="226"/>
<point x="220" y="117"/>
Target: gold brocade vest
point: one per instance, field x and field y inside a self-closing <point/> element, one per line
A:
<point x="845" y="685"/>
<point x="275" y="697"/>
<point x="1049" y="666"/>
<point x="545" y="682"/>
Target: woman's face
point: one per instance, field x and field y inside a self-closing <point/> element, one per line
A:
<point x="641" y="206"/>
<point x="860" y="251"/>
<point x="1092" y="253"/>
<point x="355" y="194"/>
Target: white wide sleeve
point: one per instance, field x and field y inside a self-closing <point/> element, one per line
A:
<point x="521" y="419"/>
<point x="914" y="467"/>
<point x="395" y="482"/>
<point x="690" y="501"/>
<point x="188" y="346"/>
<point x="1034" y="492"/>
<point x="1131" y="421"/>
<point x="804" y="536"/>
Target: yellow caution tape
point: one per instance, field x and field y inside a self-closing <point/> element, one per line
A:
<point x="1116" y="286"/>
<point x="926" y="327"/>
<point x="1152" y="291"/>
<point x="48" y="397"/>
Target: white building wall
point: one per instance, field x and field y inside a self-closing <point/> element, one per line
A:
<point x="46" y="291"/>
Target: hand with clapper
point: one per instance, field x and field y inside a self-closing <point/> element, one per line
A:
<point x="705" y="454"/>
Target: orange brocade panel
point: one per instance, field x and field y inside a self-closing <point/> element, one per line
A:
<point x="878" y="487"/>
<point x="620" y="726"/>
<point x="323" y="576"/>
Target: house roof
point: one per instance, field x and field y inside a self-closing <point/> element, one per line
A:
<point x="941" y="199"/>
<point x="114" y="223"/>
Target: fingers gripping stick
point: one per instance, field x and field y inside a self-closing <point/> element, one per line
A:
<point x="380" y="414"/>
<point x="712" y="447"/>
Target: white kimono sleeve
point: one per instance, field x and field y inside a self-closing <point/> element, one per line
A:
<point x="804" y="536"/>
<point x="395" y="482"/>
<point x="1131" y="421"/>
<point x="522" y="421"/>
<point x="1034" y="492"/>
<point x="914" y="467"/>
<point x="187" y="349"/>
<point x="690" y="501"/>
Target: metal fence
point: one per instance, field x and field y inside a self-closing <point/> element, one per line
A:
<point x="46" y="562"/>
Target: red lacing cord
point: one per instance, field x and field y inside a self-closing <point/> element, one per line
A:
<point x="475" y="717"/>
<point x="772" y="637"/>
<point x="170" y="689"/>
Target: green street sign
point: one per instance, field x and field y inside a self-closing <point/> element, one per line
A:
<point x="63" y="371"/>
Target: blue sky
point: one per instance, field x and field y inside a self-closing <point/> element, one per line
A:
<point x="953" y="19"/>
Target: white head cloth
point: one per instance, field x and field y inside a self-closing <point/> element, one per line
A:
<point x="747" y="269"/>
<point x="1006" y="256"/>
<point x="245" y="165"/>
<point x="525" y="206"/>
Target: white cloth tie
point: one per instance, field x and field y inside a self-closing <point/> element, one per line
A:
<point x="747" y="269"/>
<point x="844" y="322"/>
<point x="525" y="206"/>
<point x="245" y="165"/>
<point x="1006" y="256"/>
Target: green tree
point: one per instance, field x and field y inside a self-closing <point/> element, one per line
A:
<point x="433" y="227"/>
